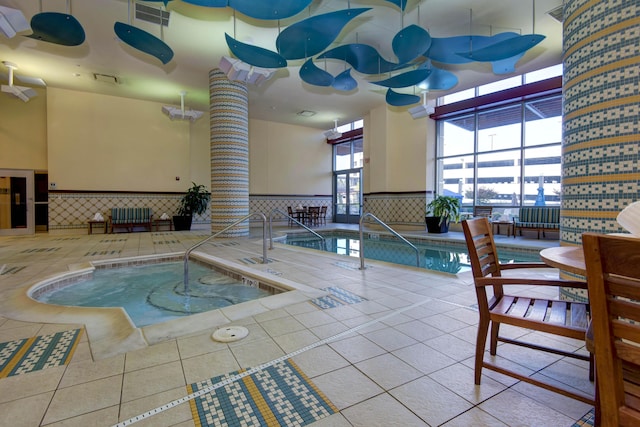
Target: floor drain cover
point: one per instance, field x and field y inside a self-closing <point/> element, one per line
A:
<point x="230" y="333"/>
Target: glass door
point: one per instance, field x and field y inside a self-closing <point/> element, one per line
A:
<point x="348" y="197"/>
<point x="16" y="202"/>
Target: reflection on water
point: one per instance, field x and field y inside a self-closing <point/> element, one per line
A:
<point x="447" y="259"/>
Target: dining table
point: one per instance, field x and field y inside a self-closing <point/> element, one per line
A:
<point x="566" y="258"/>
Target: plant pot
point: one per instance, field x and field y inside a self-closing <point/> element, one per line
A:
<point x="434" y="226"/>
<point x="182" y="222"/>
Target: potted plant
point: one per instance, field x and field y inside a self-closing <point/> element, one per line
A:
<point x="194" y="201"/>
<point x="440" y="212"/>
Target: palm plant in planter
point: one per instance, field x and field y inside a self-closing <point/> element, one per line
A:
<point x="440" y="212"/>
<point x="194" y="201"/>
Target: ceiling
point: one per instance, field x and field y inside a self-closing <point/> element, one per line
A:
<point x="196" y="35"/>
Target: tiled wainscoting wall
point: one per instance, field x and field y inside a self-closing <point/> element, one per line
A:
<point x="397" y="208"/>
<point x="267" y="204"/>
<point x="71" y="211"/>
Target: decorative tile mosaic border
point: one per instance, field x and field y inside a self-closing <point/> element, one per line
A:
<point x="279" y="395"/>
<point x="40" y="352"/>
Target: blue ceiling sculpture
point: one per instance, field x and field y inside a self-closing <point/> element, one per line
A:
<point x="396" y="99"/>
<point x="406" y="79"/>
<point x="269" y="9"/>
<point x="312" y="35"/>
<point x="143" y="41"/>
<point x="58" y="28"/>
<point x="344" y="82"/>
<point x="503" y="49"/>
<point x="312" y="74"/>
<point x="363" y="58"/>
<point x="255" y="55"/>
<point x="439" y="79"/>
<point x="410" y="43"/>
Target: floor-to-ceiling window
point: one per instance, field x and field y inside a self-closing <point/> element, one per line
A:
<point x="505" y="153"/>
<point x="347" y="174"/>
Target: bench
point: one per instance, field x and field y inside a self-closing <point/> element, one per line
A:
<point x="129" y="218"/>
<point x="539" y="218"/>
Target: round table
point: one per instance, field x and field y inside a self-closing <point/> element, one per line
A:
<point x="567" y="258"/>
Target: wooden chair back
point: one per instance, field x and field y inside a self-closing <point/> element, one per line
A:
<point x="482" y="211"/>
<point x="482" y="250"/>
<point x="613" y="277"/>
<point x="314" y="214"/>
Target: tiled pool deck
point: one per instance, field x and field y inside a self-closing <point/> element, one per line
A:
<point x="391" y="346"/>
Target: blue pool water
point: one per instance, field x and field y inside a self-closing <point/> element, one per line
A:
<point x="155" y="293"/>
<point x="446" y="258"/>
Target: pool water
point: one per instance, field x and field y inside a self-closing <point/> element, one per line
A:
<point x="445" y="258"/>
<point x="156" y="293"/>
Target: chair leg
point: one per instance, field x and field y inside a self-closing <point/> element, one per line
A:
<point x="493" y="346"/>
<point x="481" y="340"/>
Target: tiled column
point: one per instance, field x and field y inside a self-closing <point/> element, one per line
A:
<point x="601" y="143"/>
<point x="228" y="109"/>
<point x="601" y="138"/>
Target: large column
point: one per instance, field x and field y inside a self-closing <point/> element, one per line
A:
<point x="228" y="109"/>
<point x="601" y="142"/>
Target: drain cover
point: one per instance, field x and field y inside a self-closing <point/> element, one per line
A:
<point x="230" y="333"/>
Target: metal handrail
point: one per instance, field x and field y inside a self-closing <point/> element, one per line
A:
<point x="264" y="244"/>
<point x="294" y="220"/>
<point x="391" y="230"/>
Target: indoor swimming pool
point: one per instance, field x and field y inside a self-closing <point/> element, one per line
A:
<point x="156" y="292"/>
<point x="450" y="257"/>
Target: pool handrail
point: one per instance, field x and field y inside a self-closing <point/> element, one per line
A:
<point x="216" y="234"/>
<point x="391" y="230"/>
<point x="290" y="217"/>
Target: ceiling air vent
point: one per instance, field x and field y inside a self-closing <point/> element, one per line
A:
<point x="105" y="78"/>
<point x="152" y="14"/>
<point x="556" y="14"/>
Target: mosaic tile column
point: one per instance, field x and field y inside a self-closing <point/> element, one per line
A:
<point x="601" y="142"/>
<point x="228" y="110"/>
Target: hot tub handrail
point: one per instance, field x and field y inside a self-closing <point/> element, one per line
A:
<point x="216" y="234"/>
<point x="391" y="230"/>
<point x="292" y="218"/>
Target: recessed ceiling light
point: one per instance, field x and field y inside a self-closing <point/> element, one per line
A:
<point x="306" y="113"/>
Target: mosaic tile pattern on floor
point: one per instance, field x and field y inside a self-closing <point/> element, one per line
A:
<point x="279" y="395"/>
<point x="40" y="352"/>
<point x="337" y="297"/>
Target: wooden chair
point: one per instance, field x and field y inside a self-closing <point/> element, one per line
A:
<point x="613" y="275"/>
<point x="564" y="318"/>
<point x="482" y="211"/>
<point x="314" y="215"/>
<point x="291" y="216"/>
<point x="323" y="215"/>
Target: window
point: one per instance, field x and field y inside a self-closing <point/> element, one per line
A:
<point x="507" y="156"/>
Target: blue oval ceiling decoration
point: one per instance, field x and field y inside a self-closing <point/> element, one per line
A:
<point x="503" y="49"/>
<point x="208" y="3"/>
<point x="255" y="55"/>
<point x="313" y="35"/>
<point x="363" y="58"/>
<point x="445" y="49"/>
<point x="344" y="82"/>
<point x="409" y="78"/>
<point x="439" y="80"/>
<point x="400" y="99"/>
<point x="506" y="66"/>
<point x="312" y="74"/>
<point x="269" y="9"/>
<point x="57" y="28"/>
<point x="410" y="43"/>
<point x="143" y="41"/>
